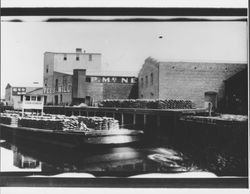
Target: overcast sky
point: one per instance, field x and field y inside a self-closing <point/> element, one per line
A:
<point x="124" y="45"/>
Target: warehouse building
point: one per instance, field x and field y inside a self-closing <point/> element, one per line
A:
<point x="74" y="78"/>
<point x="193" y="81"/>
<point x="236" y="93"/>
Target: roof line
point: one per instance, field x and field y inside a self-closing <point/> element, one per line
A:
<point x="72" y="53"/>
<point x="35" y="90"/>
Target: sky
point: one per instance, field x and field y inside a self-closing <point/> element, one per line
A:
<point x="124" y="45"/>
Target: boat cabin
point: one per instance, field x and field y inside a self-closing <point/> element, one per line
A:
<point x="32" y="101"/>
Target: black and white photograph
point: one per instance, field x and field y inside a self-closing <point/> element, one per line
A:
<point x="143" y="100"/>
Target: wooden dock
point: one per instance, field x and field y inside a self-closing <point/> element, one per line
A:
<point x="134" y="118"/>
<point x="216" y="120"/>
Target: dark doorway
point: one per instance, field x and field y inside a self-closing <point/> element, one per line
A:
<point x="45" y="100"/>
<point x="88" y="100"/>
<point x="61" y="98"/>
<point x="56" y="100"/>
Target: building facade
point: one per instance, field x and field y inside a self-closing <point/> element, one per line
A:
<point x="185" y="80"/>
<point x="14" y="96"/>
<point x="74" y="78"/>
<point x="236" y="93"/>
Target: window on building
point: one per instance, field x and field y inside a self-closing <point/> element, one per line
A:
<point x="27" y="98"/>
<point x="146" y="80"/>
<point x="88" y="79"/>
<point x="47" y="69"/>
<point x="69" y="88"/>
<point x="90" y="57"/>
<point x="39" y="98"/>
<point x="151" y="78"/>
<point x="65" y="58"/>
<point x="56" y="85"/>
<point x="33" y="98"/>
<point x="45" y="82"/>
<point x="21" y="98"/>
<point x="65" y="83"/>
<point x="61" y="98"/>
<point x="77" y="58"/>
<point x="141" y="82"/>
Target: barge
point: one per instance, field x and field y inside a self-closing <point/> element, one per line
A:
<point x="72" y="138"/>
<point x="68" y="131"/>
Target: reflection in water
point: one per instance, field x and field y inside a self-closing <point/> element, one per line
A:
<point x="125" y="161"/>
<point x="13" y="160"/>
<point x="120" y="161"/>
<point x="23" y="161"/>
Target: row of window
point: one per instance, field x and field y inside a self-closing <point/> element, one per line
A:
<point x="78" y="58"/>
<point x="56" y="82"/>
<point x="65" y="59"/>
<point x="31" y="98"/>
<point x="146" y="80"/>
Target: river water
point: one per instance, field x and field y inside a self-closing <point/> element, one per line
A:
<point x="151" y="159"/>
<point x="97" y="161"/>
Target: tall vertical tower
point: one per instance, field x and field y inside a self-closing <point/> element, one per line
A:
<point x="58" y="71"/>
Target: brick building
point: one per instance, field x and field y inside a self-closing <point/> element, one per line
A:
<point x="73" y="78"/>
<point x="236" y="93"/>
<point x="185" y="80"/>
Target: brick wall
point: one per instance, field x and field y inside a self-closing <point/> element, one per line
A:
<point x="48" y="64"/>
<point x="189" y="81"/>
<point x="118" y="91"/>
<point x="149" y="90"/>
<point x="95" y="90"/>
<point x="84" y="61"/>
<point x="65" y="85"/>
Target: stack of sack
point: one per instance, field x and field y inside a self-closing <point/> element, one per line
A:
<point x="147" y="103"/>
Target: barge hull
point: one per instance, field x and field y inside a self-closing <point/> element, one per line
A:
<point x="68" y="139"/>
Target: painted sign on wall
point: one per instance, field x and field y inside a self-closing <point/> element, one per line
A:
<point x="60" y="89"/>
<point x="111" y="79"/>
<point x="32" y="104"/>
<point x="17" y="91"/>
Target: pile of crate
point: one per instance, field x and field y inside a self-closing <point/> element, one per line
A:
<point x="144" y="103"/>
